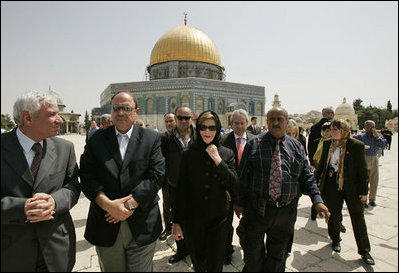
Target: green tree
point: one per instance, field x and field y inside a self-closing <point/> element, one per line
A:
<point x="6" y="122"/>
<point x="389" y="106"/>
<point x="357" y="105"/>
<point x="87" y="120"/>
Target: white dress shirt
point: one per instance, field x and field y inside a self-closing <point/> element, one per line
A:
<point x="123" y="141"/>
<point x="27" y="144"/>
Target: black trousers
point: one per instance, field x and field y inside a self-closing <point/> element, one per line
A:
<point x="206" y="243"/>
<point x="230" y="231"/>
<point x="278" y="226"/>
<point x="167" y="204"/>
<point x="334" y="200"/>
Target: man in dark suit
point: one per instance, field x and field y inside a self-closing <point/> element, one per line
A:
<point x="120" y="172"/>
<point x="39" y="185"/>
<point x="253" y="128"/>
<point x="315" y="132"/>
<point x="236" y="141"/>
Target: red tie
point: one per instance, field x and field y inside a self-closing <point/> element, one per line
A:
<point x="276" y="174"/>
<point x="240" y="149"/>
<point x="37" y="148"/>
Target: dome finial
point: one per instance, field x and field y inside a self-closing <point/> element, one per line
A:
<point x="185" y="18"/>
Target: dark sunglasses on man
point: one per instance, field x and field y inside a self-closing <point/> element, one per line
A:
<point x="124" y="108"/>
<point x="182" y="117"/>
<point x="210" y="128"/>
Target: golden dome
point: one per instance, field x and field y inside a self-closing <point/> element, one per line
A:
<point x="184" y="43"/>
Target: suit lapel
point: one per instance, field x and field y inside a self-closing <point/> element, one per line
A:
<point x="14" y="154"/>
<point x="47" y="162"/>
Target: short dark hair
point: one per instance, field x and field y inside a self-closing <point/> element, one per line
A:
<point x="253" y="118"/>
<point x="168" y="114"/>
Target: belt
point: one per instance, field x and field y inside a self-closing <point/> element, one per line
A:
<point x="260" y="204"/>
<point x="277" y="204"/>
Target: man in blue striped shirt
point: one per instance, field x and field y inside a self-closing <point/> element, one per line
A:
<point x="268" y="194"/>
<point x="373" y="142"/>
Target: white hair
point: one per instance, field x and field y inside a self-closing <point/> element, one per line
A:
<point x="32" y="102"/>
<point x="369" y="122"/>
<point x="240" y="112"/>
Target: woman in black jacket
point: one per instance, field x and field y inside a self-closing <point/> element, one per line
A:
<point x="207" y="172"/>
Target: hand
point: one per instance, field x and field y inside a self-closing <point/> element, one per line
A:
<point x="238" y="211"/>
<point x="177" y="232"/>
<point x="363" y="198"/>
<point x="366" y="147"/>
<point x="116" y="210"/>
<point x="323" y="211"/>
<point x="213" y="152"/>
<point x="41" y="207"/>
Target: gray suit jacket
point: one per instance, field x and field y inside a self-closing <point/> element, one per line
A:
<point x="58" y="176"/>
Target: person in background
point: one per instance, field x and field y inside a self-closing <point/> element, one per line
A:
<point x="120" y="172"/>
<point x="373" y="142"/>
<point x="201" y="204"/>
<point x="342" y="173"/>
<point x="253" y="128"/>
<point x="315" y="132"/>
<point x="292" y="129"/>
<point x="194" y="118"/>
<point x="174" y="143"/>
<point x="106" y="121"/>
<point x="302" y="139"/>
<point x="39" y="187"/>
<point x="139" y="122"/>
<point x="270" y="184"/>
<point x="92" y="129"/>
<point x="387" y="134"/>
<point x="236" y="141"/>
<point x="170" y="121"/>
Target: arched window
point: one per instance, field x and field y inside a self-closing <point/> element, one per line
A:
<point x="259" y="108"/>
<point x="172" y="104"/>
<point x="211" y="104"/>
<point x="199" y="104"/>
<point x="150" y="106"/>
<point x="252" y="108"/>
<point x="185" y="101"/>
<point x="161" y="105"/>
<point x="220" y="108"/>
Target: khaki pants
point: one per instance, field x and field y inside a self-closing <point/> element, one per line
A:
<point x="125" y="255"/>
<point x="372" y="166"/>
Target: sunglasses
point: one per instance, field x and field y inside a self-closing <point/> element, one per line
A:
<point x="185" y="118"/>
<point x="210" y="128"/>
<point x="124" y="108"/>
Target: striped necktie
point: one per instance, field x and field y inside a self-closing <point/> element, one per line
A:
<point x="37" y="148"/>
<point x="276" y="173"/>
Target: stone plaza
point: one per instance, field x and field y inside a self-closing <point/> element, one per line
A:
<point x="311" y="250"/>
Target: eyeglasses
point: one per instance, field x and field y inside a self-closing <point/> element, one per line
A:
<point x="124" y="108"/>
<point x="185" y="118"/>
<point x="210" y="128"/>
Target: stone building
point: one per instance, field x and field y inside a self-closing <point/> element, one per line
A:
<point x="185" y="69"/>
<point x="346" y="112"/>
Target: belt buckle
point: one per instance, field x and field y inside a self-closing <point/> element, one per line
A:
<point x="278" y="204"/>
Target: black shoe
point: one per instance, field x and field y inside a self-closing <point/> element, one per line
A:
<point x="366" y="206"/>
<point x="177" y="257"/>
<point x="336" y="246"/>
<point x="368" y="259"/>
<point x="227" y="260"/>
<point x="342" y="228"/>
<point x="372" y="203"/>
<point x="165" y="234"/>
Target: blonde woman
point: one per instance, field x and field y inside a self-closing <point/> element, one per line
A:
<point x="343" y="176"/>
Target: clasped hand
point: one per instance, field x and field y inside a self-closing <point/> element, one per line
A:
<point x="213" y="152"/>
<point x="117" y="211"/>
<point x="41" y="207"/>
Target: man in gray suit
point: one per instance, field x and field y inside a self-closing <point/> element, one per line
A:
<point x="120" y="170"/>
<point x="39" y="185"/>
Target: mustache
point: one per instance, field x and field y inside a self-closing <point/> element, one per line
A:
<point x="276" y="127"/>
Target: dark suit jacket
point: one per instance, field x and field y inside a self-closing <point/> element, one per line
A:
<point x="58" y="176"/>
<point x="356" y="176"/>
<point x="229" y="141"/>
<point x="101" y="168"/>
<point x="257" y="130"/>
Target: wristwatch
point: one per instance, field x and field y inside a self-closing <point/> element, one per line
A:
<point x="130" y="205"/>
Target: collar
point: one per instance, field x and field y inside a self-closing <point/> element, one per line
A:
<point x="128" y="134"/>
<point x="25" y="141"/>
<point x="244" y="136"/>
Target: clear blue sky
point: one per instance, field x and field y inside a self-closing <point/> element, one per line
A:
<point x="312" y="54"/>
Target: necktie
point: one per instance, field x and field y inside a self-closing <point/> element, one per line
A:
<point x="240" y="149"/>
<point x="37" y="148"/>
<point x="275" y="173"/>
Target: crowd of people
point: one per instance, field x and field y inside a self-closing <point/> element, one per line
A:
<point x="206" y="178"/>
